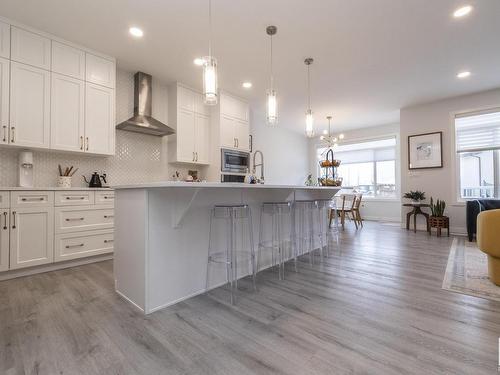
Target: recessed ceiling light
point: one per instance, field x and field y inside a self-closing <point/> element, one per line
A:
<point x="198" y="61"/>
<point x="247" y="85"/>
<point x="463" y="75"/>
<point x="136" y="32"/>
<point x="462" y="11"/>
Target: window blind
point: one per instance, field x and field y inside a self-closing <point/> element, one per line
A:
<point x="478" y="132"/>
<point x="366" y="152"/>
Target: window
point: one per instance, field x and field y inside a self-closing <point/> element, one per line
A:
<point x="369" y="167"/>
<point x="477" y="144"/>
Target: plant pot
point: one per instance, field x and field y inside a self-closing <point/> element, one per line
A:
<point x="440" y="222"/>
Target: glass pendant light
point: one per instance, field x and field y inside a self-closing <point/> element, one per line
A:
<point x="272" y="101"/>
<point x="210" y="67"/>
<point x="309" y="113"/>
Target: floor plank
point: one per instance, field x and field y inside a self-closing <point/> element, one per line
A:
<point x="374" y="307"/>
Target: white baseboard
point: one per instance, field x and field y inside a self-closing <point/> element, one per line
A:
<point x="382" y="218"/>
<point x="135" y="305"/>
<point x="12" y="274"/>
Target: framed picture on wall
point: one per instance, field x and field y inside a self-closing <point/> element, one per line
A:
<point x="425" y="150"/>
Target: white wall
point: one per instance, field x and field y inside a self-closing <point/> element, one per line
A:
<point x="438" y="116"/>
<point x="372" y="208"/>
<point x="285" y="152"/>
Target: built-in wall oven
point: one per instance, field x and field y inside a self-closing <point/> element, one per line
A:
<point x="234" y="165"/>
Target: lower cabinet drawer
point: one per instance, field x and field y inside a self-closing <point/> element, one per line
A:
<point x="77" y="219"/>
<point x="4" y="199"/>
<point x="81" y="245"/>
<point x="74" y="198"/>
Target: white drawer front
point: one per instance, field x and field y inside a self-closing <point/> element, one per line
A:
<point x="80" y="245"/>
<point x="104" y="197"/>
<point x="77" y="219"/>
<point x="31" y="199"/>
<point x="74" y="198"/>
<point x="4" y="199"/>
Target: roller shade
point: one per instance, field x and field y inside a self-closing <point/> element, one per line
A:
<point x="366" y="152"/>
<point x="478" y="132"/>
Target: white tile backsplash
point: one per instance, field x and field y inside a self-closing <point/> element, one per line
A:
<point x="138" y="157"/>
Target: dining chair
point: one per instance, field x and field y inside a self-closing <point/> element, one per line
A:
<point x="355" y="209"/>
<point x="346" y="209"/>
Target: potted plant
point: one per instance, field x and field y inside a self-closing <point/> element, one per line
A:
<point x="437" y="219"/>
<point x="415" y="196"/>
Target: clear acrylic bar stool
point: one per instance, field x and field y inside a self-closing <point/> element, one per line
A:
<point x="235" y="252"/>
<point x="303" y="228"/>
<point x="275" y="235"/>
<point x="327" y="234"/>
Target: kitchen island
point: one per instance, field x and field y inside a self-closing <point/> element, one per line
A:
<point x="162" y="229"/>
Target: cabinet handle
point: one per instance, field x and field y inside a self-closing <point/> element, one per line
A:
<point x="5" y="221"/>
<point x="196" y="156"/>
<point x="87" y="141"/>
<point x="237" y="143"/>
<point x="108" y="241"/>
<point x="75" y="219"/>
<point x="4" y="134"/>
<point x="109" y="216"/>
<point x="32" y="199"/>
<point x="106" y="197"/>
<point x="70" y="246"/>
<point x="81" y="143"/>
<point x="13" y="136"/>
<point x="13" y="219"/>
<point x="75" y="198"/>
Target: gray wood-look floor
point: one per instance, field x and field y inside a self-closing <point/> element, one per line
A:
<point x="375" y="307"/>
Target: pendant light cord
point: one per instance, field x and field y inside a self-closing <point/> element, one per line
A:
<point x="272" y="76"/>
<point x="309" y="87"/>
<point x="210" y="28"/>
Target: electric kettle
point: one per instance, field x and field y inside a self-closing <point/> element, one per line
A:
<point x="95" y="180"/>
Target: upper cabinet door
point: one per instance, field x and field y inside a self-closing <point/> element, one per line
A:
<point x="199" y="105"/>
<point x="4" y="100"/>
<point x="67" y="113"/>
<point x="227" y="132"/>
<point x="99" y="119"/>
<point x="30" y="48"/>
<point x="100" y="71"/>
<point x="4" y="40"/>
<point x="185" y="98"/>
<point x="242" y="134"/>
<point x="202" y="139"/>
<point x="68" y="60"/>
<point x="29" y="106"/>
<point x="234" y="107"/>
<point x="185" y="136"/>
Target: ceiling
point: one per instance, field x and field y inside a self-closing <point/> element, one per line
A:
<point x="371" y="57"/>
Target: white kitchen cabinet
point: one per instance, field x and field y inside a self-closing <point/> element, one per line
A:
<point x="185" y="136"/>
<point x="233" y="107"/>
<point x="190" y="117"/>
<point x="100" y="71"/>
<point x="68" y="60"/>
<point x="80" y="245"/>
<point x="4" y="100"/>
<point x="67" y="127"/>
<point x="83" y="218"/>
<point x="4" y="239"/>
<point x="234" y="133"/>
<point x="4" y="40"/>
<point x="30" y="48"/>
<point x="31" y="236"/>
<point x="227" y="138"/>
<point x="4" y="199"/>
<point x="99" y="119"/>
<point x="242" y="131"/>
<point x="29" y="106"/>
<point x="73" y="198"/>
<point x="201" y="139"/>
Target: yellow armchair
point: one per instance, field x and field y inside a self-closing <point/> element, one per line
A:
<point x="488" y="241"/>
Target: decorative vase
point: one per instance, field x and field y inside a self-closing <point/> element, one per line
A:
<point x="64" y="182"/>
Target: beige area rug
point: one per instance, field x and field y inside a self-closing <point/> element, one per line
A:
<point x="467" y="271"/>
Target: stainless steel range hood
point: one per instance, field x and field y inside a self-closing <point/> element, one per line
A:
<point x="142" y="121"/>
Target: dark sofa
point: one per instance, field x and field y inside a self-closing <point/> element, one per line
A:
<point x="473" y="208"/>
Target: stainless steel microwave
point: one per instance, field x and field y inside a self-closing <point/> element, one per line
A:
<point x="235" y="161"/>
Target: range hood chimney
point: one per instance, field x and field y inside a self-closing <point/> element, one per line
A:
<point x="142" y="121"/>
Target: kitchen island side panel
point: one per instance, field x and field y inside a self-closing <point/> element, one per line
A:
<point x="131" y="241"/>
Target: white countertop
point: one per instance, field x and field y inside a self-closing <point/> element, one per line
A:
<point x="175" y="184"/>
<point x="45" y="188"/>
